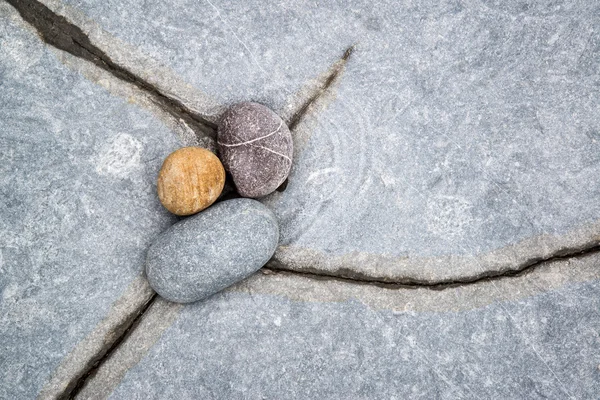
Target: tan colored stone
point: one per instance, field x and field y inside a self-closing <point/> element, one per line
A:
<point x="190" y="180"/>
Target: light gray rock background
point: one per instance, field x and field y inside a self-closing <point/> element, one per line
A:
<point x="460" y="129"/>
<point x="460" y="138"/>
<point x="286" y="336"/>
<point x="78" y="205"/>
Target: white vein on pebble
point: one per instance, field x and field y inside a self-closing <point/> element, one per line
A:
<point x="253" y="140"/>
<point x="272" y="151"/>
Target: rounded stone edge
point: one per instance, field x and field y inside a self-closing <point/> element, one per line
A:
<point x="222" y="152"/>
<point x="221" y="181"/>
<point x="155" y="246"/>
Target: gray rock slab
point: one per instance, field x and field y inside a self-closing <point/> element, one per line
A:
<point x="288" y="336"/>
<point x="462" y="137"/>
<point x="78" y="209"/>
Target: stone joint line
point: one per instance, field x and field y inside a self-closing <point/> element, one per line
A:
<point x="56" y="31"/>
<point x="411" y="283"/>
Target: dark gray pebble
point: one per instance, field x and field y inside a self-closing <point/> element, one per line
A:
<point x="256" y="147"/>
<point x="210" y="251"/>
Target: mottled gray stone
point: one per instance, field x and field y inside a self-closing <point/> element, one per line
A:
<point x="256" y="147"/>
<point x="78" y="209"/>
<point x="289" y="337"/>
<point x="462" y="137"/>
<point x="212" y="250"/>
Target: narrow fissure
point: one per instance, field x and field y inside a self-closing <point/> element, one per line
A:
<point x="121" y="333"/>
<point x="346" y="276"/>
<point x="338" y="68"/>
<point x="355" y="277"/>
<point x="56" y="31"/>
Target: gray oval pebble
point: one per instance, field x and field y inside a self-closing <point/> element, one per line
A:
<point x="210" y="251"/>
<point x="256" y="147"/>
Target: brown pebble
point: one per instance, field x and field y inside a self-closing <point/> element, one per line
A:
<point x="190" y="180"/>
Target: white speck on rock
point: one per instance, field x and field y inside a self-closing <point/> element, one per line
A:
<point x="120" y="156"/>
<point x="448" y="215"/>
<point x="320" y="176"/>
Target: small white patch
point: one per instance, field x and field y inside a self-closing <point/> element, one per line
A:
<point x="388" y="181"/>
<point x="85" y="205"/>
<point x="553" y="38"/>
<point x="10" y="291"/>
<point x="320" y="176"/>
<point x="119" y="157"/>
<point x="448" y="216"/>
<point x="277" y="321"/>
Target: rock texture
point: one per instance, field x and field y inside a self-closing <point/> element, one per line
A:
<point x="256" y="148"/>
<point x="461" y="138"/>
<point x="290" y="337"/>
<point x="203" y="254"/>
<point x="190" y="180"/>
<point x="78" y="210"/>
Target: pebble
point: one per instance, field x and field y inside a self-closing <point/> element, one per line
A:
<point x="190" y="180"/>
<point x="210" y="251"/>
<point x="256" y="147"/>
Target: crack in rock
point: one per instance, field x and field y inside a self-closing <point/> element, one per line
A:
<point x="351" y="276"/>
<point x="120" y="334"/>
<point x="337" y="69"/>
<point x="320" y="91"/>
<point x="56" y="31"/>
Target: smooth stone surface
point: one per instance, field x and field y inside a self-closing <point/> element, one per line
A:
<point x="463" y="136"/>
<point x="289" y="337"/>
<point x="190" y="180"/>
<point x="78" y="206"/>
<point x="256" y="148"/>
<point x="208" y="252"/>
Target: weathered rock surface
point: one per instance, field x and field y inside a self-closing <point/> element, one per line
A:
<point x="208" y="252"/>
<point x="462" y="137"/>
<point x="78" y="208"/>
<point x="190" y="180"/>
<point x="256" y="148"/>
<point x="282" y="336"/>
